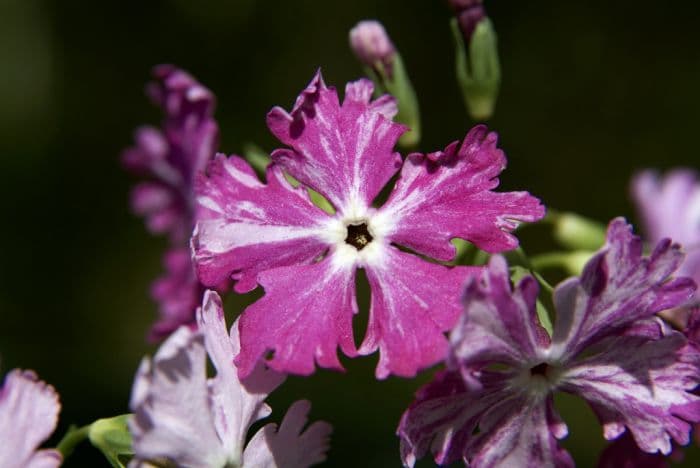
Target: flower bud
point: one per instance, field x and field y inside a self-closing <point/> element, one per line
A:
<point x="477" y="64"/>
<point x="375" y="50"/>
<point x="372" y="46"/>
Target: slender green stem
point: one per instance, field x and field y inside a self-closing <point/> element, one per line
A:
<point x="549" y="260"/>
<point x="72" y="438"/>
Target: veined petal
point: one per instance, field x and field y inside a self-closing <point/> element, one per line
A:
<point x="343" y="151"/>
<point x="493" y="426"/>
<point x="235" y="407"/>
<point x="172" y="418"/>
<point x="624" y="453"/>
<point x="500" y="323"/>
<point x="617" y="287"/>
<point x="290" y="446"/>
<point x="413" y="303"/>
<point x="448" y="194"/>
<point x="643" y="385"/>
<point x="245" y="227"/>
<point x="305" y="314"/>
<point x="28" y="415"/>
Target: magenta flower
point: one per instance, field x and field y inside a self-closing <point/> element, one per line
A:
<point x="494" y="406"/>
<point x="170" y="158"/>
<point x="184" y="418"/>
<point x="28" y="415"/>
<point x="306" y="259"/>
<point x="669" y="206"/>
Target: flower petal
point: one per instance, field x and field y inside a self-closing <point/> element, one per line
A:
<point x="447" y="194"/>
<point x="413" y="303"/>
<point x="178" y="293"/>
<point x="305" y="314"/>
<point x="343" y="151"/>
<point x="617" y="287"/>
<point x="500" y="323"/>
<point x="624" y="453"/>
<point x="28" y="415"/>
<point x="288" y="446"/>
<point x="172" y="418"/>
<point x="489" y="427"/>
<point x="235" y="407"/>
<point x="245" y="227"/>
<point x="642" y="384"/>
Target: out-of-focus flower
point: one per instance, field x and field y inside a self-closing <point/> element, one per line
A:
<point x="182" y="417"/>
<point x="383" y="63"/>
<point x="669" y="206"/>
<point x="477" y="64"/>
<point x="494" y="403"/>
<point x="28" y="415"/>
<point x="169" y="158"/>
<point x="306" y="259"/>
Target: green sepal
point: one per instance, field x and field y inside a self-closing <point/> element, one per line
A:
<point x="399" y="85"/>
<point x="478" y="70"/>
<point x="112" y="437"/>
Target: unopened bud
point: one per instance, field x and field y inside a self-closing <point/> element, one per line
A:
<point x="375" y="50"/>
<point x="372" y="46"/>
<point x="478" y="68"/>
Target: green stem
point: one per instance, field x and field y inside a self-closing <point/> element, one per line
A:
<point x="72" y="438"/>
<point x="549" y="260"/>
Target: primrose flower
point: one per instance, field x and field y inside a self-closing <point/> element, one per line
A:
<point x="371" y="45"/>
<point x="28" y="415"/>
<point x="669" y="206"/>
<point x="306" y="259"/>
<point x="493" y="406"/>
<point x="169" y="158"/>
<point x="181" y="417"/>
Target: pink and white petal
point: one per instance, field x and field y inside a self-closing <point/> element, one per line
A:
<point x="170" y="400"/>
<point x="343" y="151"/>
<point x="414" y="302"/>
<point x="245" y="227"/>
<point x="47" y="458"/>
<point x="305" y="314"/>
<point x="448" y="194"/>
<point x="234" y="407"/>
<point x="617" y="287"/>
<point x="28" y="415"/>
<point x="499" y="324"/>
<point x="290" y="445"/>
<point x="519" y="432"/>
<point x="643" y="385"/>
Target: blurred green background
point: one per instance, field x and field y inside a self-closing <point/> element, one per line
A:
<point x="591" y="91"/>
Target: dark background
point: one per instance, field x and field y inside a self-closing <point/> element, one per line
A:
<point x="591" y="91"/>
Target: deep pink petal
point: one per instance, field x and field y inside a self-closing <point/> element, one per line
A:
<point x="305" y="314"/>
<point x="643" y="385"/>
<point x="177" y="293"/>
<point x="617" y="287"/>
<point x="500" y="323"/>
<point x="413" y="303"/>
<point x="343" y="151"/>
<point x="245" y="227"/>
<point x="28" y="415"/>
<point x="448" y="194"/>
<point x="290" y="446"/>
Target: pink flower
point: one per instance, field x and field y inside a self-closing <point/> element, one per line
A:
<point x="28" y="415"/>
<point x="306" y="259"/>
<point x="170" y="157"/>
<point x="182" y="417"/>
<point x="493" y="406"/>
